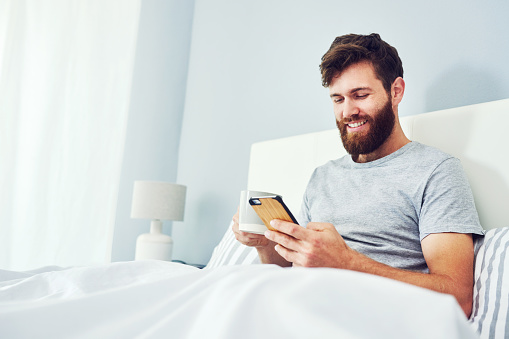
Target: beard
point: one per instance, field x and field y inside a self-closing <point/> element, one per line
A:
<point x="381" y="126"/>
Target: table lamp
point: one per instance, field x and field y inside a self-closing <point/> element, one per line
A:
<point x="157" y="201"/>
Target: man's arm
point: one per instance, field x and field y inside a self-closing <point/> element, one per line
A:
<point x="449" y="257"/>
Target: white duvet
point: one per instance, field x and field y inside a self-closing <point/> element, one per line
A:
<point x="151" y="299"/>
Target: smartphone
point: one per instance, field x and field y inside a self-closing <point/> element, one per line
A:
<point x="271" y="207"/>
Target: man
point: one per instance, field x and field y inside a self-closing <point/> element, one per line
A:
<point x="393" y="207"/>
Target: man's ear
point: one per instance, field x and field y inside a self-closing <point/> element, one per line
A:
<point x="397" y="90"/>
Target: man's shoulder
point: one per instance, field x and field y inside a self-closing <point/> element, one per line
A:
<point x="431" y="150"/>
<point x="425" y="154"/>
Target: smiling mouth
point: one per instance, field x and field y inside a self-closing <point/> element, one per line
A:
<point x="357" y="124"/>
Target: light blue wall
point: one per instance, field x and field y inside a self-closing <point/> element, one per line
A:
<point x="156" y="108"/>
<point x="254" y="76"/>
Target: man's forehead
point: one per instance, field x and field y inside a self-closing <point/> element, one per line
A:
<point x="356" y="77"/>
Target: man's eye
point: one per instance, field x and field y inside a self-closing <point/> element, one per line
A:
<point x="362" y="96"/>
<point x="338" y="100"/>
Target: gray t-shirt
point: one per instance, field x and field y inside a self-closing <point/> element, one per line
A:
<point x="384" y="208"/>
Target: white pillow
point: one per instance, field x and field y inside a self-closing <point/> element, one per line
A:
<point x="490" y="313"/>
<point x="231" y="252"/>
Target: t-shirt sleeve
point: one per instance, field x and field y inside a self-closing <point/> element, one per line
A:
<point x="448" y="204"/>
<point x="304" y="216"/>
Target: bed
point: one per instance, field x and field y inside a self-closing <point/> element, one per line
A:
<point x="235" y="297"/>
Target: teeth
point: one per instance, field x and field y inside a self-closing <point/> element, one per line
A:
<point x="357" y="124"/>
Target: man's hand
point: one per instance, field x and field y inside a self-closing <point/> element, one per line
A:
<point x="264" y="246"/>
<point x="246" y="238"/>
<point x="318" y="245"/>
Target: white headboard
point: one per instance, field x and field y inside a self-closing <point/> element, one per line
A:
<point x="477" y="134"/>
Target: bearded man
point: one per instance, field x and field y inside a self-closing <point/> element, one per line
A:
<point x="392" y="207"/>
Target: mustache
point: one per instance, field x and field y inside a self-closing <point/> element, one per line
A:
<point x="355" y="117"/>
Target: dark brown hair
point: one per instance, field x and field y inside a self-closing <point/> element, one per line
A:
<point x="349" y="49"/>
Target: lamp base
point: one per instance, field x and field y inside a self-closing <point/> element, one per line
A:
<point x="154" y="245"/>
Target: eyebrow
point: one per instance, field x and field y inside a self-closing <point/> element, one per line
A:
<point x="352" y="91"/>
<point x="359" y="89"/>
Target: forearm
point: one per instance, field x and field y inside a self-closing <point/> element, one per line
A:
<point x="437" y="282"/>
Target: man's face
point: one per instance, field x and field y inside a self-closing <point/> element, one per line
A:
<point x="363" y="109"/>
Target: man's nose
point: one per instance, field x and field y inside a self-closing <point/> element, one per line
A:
<point x="349" y="109"/>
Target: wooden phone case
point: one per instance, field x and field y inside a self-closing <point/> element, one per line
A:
<point x="272" y="208"/>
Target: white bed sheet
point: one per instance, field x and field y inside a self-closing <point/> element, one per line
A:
<point x="151" y="299"/>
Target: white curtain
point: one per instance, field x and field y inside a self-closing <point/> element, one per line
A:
<point x="65" y="78"/>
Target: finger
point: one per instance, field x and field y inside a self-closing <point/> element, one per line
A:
<point x="235" y="227"/>
<point x="289" y="228"/>
<point x="236" y="217"/>
<point x="287" y="241"/>
<point x="246" y="235"/>
<point x="287" y="254"/>
<point x="250" y="239"/>
<point x="249" y="235"/>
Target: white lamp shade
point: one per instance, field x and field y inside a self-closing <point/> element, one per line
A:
<point x="158" y="200"/>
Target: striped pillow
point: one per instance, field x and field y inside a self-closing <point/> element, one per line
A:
<point x="231" y="252"/>
<point x="490" y="313"/>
